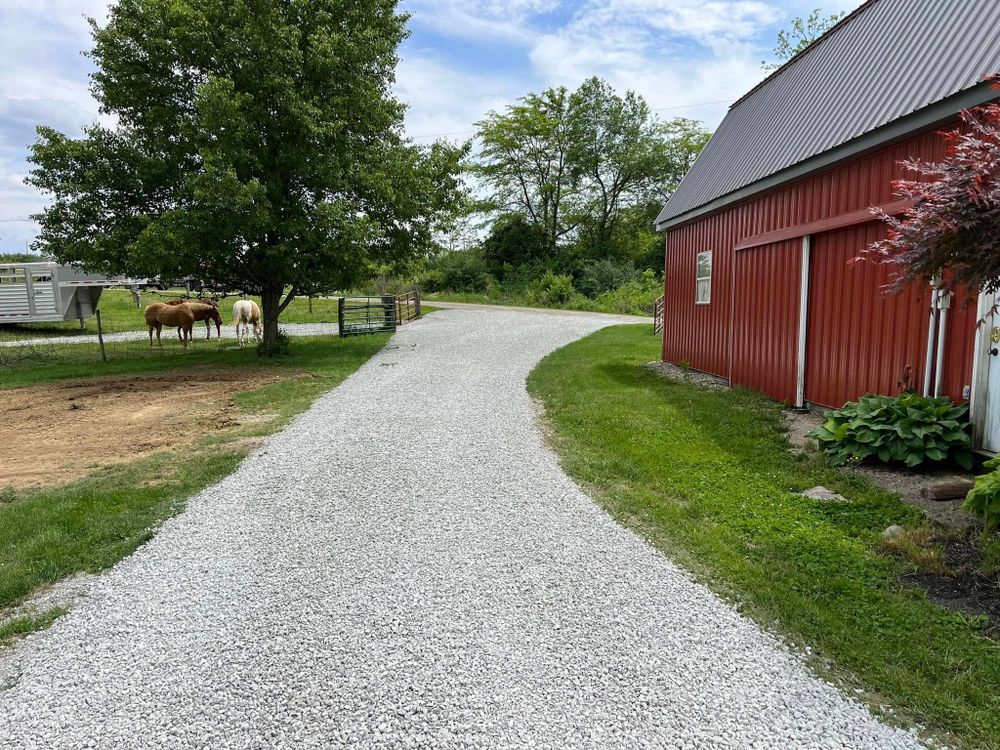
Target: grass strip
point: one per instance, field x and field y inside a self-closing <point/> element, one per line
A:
<point x="707" y="476"/>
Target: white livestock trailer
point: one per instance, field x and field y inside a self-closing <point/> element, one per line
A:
<point x="45" y="292"/>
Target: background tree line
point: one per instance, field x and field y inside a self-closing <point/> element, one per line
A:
<point x="567" y="186"/>
<point x="258" y="146"/>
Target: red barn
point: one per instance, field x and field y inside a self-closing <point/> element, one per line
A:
<point x="758" y="288"/>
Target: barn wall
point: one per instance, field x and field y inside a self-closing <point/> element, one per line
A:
<point x="858" y="339"/>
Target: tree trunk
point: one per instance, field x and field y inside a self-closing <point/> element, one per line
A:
<point x="270" y="300"/>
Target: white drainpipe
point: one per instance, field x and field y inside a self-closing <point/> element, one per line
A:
<point x="800" y="376"/>
<point x="943" y="303"/>
<point x="931" y="326"/>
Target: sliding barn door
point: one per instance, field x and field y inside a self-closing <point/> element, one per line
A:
<point x="765" y="318"/>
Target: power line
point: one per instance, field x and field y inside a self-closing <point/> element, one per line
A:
<point x="659" y="109"/>
<point x="7" y="221"/>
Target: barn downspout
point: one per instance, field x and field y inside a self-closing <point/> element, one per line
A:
<point x="943" y="303"/>
<point x="800" y="376"/>
<point x="931" y="328"/>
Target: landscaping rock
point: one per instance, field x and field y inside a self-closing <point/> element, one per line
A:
<point x="892" y="531"/>
<point x="822" y="493"/>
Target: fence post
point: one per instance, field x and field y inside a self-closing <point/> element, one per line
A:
<point x="389" y="305"/>
<point x="100" y="336"/>
<point x="340" y="316"/>
<point x="416" y="300"/>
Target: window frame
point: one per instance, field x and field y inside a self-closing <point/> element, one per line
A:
<point x="700" y="279"/>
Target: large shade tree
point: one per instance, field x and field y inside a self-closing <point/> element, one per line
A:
<point x="579" y="165"/>
<point x="952" y="232"/>
<point x="523" y="162"/>
<point x="622" y="157"/>
<point x="255" y="144"/>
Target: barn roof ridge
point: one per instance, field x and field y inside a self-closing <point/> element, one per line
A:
<point x="853" y="88"/>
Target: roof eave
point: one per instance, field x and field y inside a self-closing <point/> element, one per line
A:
<point x="923" y="119"/>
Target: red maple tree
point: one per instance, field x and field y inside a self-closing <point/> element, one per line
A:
<point x="953" y="229"/>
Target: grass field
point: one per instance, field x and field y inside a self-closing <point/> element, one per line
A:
<point x="707" y="476"/>
<point x="88" y="525"/>
<point x="119" y="313"/>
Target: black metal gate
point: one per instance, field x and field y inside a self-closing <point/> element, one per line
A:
<point x="362" y="315"/>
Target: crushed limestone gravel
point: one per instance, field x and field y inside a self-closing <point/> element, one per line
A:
<point x="407" y="566"/>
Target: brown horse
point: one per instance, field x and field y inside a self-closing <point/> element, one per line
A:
<point x="207" y="310"/>
<point x="172" y="316"/>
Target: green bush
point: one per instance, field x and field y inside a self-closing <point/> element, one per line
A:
<point x="909" y="428"/>
<point x="984" y="498"/>
<point x="552" y="289"/>
<point x="633" y="297"/>
<point x="604" y="276"/>
<point x="278" y="348"/>
<point x="459" y="271"/>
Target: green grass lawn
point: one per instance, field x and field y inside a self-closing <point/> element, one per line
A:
<point x="707" y="476"/>
<point x="90" y="524"/>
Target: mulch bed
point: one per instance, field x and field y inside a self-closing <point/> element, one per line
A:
<point x="964" y="588"/>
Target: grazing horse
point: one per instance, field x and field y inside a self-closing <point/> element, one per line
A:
<point x="171" y="316"/>
<point x="207" y="310"/>
<point x="245" y="314"/>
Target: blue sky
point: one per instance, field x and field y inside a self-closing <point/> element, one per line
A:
<point x="689" y="58"/>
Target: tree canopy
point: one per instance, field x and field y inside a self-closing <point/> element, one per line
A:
<point x="583" y="166"/>
<point x="256" y="144"/>
<point x="800" y="34"/>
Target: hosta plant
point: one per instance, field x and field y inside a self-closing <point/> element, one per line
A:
<point x="984" y="498"/>
<point x="909" y="429"/>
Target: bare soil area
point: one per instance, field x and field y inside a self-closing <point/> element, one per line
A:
<point x="54" y="433"/>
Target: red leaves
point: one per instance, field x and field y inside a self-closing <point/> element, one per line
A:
<point x="955" y="219"/>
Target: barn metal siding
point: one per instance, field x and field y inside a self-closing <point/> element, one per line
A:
<point x="766" y="318"/>
<point x="863" y="352"/>
<point x="859" y="338"/>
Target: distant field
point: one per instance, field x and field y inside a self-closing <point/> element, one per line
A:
<point x="119" y="313"/>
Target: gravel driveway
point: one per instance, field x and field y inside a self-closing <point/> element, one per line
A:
<point x="406" y="566"/>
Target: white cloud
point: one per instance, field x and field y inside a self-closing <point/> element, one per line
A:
<point x="687" y="58"/>
<point x="481" y="20"/>
<point x="446" y="101"/>
<point x="43" y="81"/>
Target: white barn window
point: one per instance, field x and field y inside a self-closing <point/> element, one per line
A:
<point x="703" y="279"/>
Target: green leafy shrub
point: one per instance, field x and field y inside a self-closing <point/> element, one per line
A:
<point x="553" y="289"/>
<point x="633" y="297"/>
<point x="458" y="271"/>
<point x="278" y="348"/>
<point x="984" y="498"/>
<point x="909" y="428"/>
<point x="605" y="275"/>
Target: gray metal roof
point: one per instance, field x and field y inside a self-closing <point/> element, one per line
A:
<point x="887" y="60"/>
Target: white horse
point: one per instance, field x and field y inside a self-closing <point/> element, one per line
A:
<point x="245" y="314"/>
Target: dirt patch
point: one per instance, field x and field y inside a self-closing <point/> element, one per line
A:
<point x="54" y="433"/>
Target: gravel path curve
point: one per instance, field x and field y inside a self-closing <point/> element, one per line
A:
<point x="292" y="329"/>
<point x="406" y="566"/>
